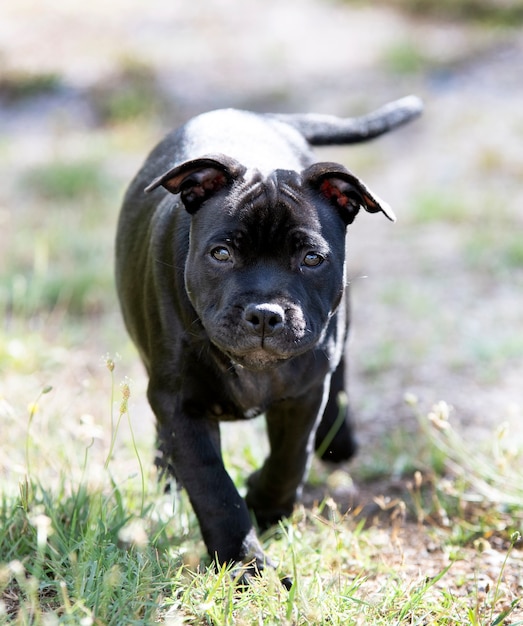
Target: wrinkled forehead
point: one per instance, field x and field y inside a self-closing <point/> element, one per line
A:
<point x="276" y="202"/>
<point x="270" y="215"/>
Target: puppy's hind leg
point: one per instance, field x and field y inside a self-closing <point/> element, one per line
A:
<point x="335" y="440"/>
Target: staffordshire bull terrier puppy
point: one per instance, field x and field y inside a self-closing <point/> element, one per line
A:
<point x="231" y="273"/>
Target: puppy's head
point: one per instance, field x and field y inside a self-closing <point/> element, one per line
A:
<point x="265" y="270"/>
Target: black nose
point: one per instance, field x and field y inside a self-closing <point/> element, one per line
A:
<point x="264" y="320"/>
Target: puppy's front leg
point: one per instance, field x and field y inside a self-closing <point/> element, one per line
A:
<point x="191" y="445"/>
<point x="291" y="425"/>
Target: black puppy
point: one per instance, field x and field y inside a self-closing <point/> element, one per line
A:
<point x="231" y="277"/>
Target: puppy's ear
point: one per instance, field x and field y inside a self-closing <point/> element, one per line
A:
<point x="197" y="180"/>
<point x="347" y="193"/>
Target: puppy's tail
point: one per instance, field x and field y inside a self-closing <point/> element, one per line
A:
<point x="323" y="130"/>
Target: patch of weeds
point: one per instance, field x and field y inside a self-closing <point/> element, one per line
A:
<point x="506" y="13"/>
<point x="473" y="501"/>
<point x="79" y="553"/>
<point x="61" y="257"/>
<point x="381" y="359"/>
<point x="117" y="552"/>
<point x="399" y="456"/>
<point x="18" y="86"/>
<point x="64" y="555"/>
<point x="404" y="58"/>
<point x="492" y="160"/>
<point x="131" y="94"/>
<point x="475" y="493"/>
<point x="418" y="304"/>
<point x="418" y="605"/>
<point x="513" y="252"/>
<point x="497" y="250"/>
<point x="491" y="354"/>
<point x="78" y="281"/>
<point x="66" y="181"/>
<point x="23" y="350"/>
<point x="439" y="206"/>
<point x="81" y="290"/>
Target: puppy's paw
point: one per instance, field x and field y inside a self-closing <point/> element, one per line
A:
<point x="253" y="563"/>
<point x="244" y="574"/>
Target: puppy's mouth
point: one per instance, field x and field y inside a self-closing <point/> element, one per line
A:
<point x="259" y="359"/>
<point x="264" y="355"/>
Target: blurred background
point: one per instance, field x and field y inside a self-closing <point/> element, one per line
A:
<point x="88" y="88"/>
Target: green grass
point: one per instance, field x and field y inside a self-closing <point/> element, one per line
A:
<point x="65" y="557"/>
<point x="436" y="205"/>
<point x="131" y="95"/>
<point x="16" y="86"/>
<point x="61" y="181"/>
<point x="405" y="58"/>
<point x="64" y="229"/>
<point x="498" y="251"/>
<point x="505" y="13"/>
<point x="57" y="246"/>
<point x="88" y="537"/>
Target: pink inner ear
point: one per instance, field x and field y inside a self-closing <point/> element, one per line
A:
<point x="201" y="182"/>
<point x="213" y="180"/>
<point x="333" y="193"/>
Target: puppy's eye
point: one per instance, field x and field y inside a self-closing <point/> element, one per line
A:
<point x="312" y="259"/>
<point x="221" y="253"/>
